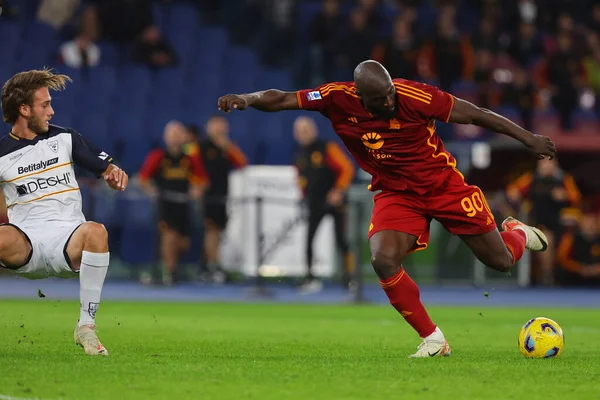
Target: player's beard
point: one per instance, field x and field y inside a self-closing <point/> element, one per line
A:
<point x="36" y="125"/>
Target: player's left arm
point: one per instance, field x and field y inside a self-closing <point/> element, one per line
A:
<point x="88" y="156"/>
<point x="464" y="112"/>
<point x="572" y="193"/>
<point x="344" y="170"/>
<point x="236" y="156"/>
<point x="199" y="177"/>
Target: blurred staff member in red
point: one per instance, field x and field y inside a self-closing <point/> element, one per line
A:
<point x="324" y="174"/>
<point x="579" y="254"/>
<point x="550" y="192"/>
<point x="219" y="156"/>
<point x="173" y="178"/>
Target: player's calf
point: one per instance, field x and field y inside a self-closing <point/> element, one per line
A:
<point x="494" y="250"/>
<point x="88" y="252"/>
<point x="388" y="249"/>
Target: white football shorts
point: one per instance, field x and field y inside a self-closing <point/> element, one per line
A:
<point x="48" y="252"/>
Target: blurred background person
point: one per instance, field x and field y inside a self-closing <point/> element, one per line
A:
<point x="399" y="52"/>
<point x="81" y="52"/>
<point x="152" y="49"/>
<point x="324" y="30"/>
<point x="579" y="254"/>
<point x="324" y="175"/>
<point x="564" y="71"/>
<point x="219" y="156"/>
<point x="521" y="95"/>
<point x="173" y="178"/>
<point x="549" y="192"/>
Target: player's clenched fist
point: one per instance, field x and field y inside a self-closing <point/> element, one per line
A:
<point x="227" y="102"/>
<point x="116" y="178"/>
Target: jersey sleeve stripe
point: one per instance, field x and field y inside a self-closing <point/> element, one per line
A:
<point x="46" y="195"/>
<point x="424" y="97"/>
<point x="411" y="95"/>
<point x="299" y="99"/>
<point x="37" y="172"/>
<point x="345" y="88"/>
<point x="451" y="107"/>
<point x="327" y="87"/>
<point x="410" y="88"/>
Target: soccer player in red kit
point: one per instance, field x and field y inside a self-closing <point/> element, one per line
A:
<point x="389" y="128"/>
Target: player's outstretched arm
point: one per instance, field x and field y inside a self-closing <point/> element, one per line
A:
<point x="464" y="112"/>
<point x="268" y="100"/>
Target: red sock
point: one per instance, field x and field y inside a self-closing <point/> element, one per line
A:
<point x="515" y="243"/>
<point x="404" y="295"/>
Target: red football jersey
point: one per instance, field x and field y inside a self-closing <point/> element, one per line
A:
<point x="401" y="154"/>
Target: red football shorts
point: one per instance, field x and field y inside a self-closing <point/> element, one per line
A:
<point x="460" y="208"/>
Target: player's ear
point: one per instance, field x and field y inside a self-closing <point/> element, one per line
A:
<point x="25" y="110"/>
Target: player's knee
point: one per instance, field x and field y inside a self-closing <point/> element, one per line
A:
<point x="95" y="234"/>
<point x="385" y="263"/>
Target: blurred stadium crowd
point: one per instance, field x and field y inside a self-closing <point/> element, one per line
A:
<point x="138" y="64"/>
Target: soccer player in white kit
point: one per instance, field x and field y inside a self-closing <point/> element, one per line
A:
<point x="47" y="234"/>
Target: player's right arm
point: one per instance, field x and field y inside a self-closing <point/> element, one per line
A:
<point x="519" y="189"/>
<point x="465" y="112"/>
<point x="148" y="171"/>
<point x="430" y="102"/>
<point x="273" y="100"/>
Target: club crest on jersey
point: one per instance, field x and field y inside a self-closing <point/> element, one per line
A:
<point x="316" y="95"/>
<point x="53" y="144"/>
<point x="394" y="123"/>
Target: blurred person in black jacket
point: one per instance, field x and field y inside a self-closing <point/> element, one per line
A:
<point x="151" y="48"/>
<point x="521" y="95"/>
<point x="564" y="68"/>
<point x="324" y="175"/>
<point x="324" y="35"/>
<point x="579" y="254"/>
<point x="219" y="156"/>
<point x="550" y="192"/>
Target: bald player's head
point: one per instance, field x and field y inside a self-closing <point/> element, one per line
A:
<point x="305" y="131"/>
<point x="375" y="89"/>
<point x="174" y="137"/>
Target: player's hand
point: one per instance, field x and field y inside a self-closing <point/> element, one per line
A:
<point x="335" y="197"/>
<point x="221" y="141"/>
<point x="116" y="178"/>
<point x="235" y="101"/>
<point x="589" y="271"/>
<point x="197" y="191"/>
<point x="541" y="147"/>
<point x="559" y="194"/>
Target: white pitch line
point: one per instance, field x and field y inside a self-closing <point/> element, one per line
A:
<point x="6" y="397"/>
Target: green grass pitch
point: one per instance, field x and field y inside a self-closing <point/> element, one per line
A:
<point x="276" y="351"/>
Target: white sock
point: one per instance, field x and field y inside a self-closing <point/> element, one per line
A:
<point x="91" y="279"/>
<point x="436" y="336"/>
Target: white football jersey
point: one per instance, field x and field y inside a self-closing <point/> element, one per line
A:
<point x="38" y="176"/>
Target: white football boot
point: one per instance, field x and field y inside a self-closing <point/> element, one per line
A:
<point x="536" y="240"/>
<point x="434" y="345"/>
<point x="85" y="336"/>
